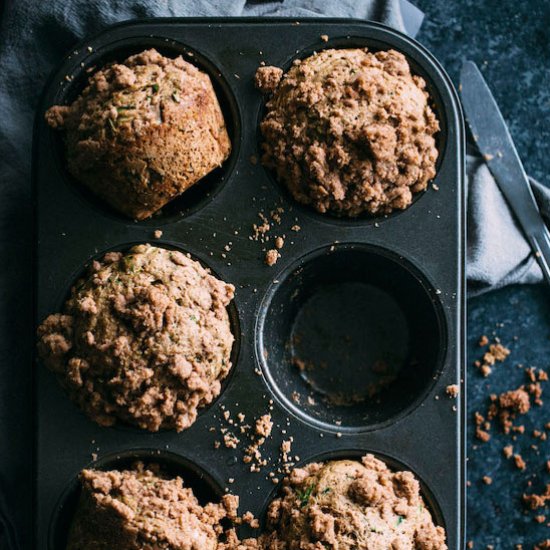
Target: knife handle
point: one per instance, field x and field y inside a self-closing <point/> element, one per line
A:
<point x="541" y="245"/>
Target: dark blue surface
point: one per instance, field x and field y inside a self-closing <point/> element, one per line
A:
<point x="511" y="43"/>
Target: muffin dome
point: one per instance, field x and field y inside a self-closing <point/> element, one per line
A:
<point x="143" y="131"/>
<point x="349" y="132"/>
<point x="347" y="504"/>
<point x="145" y="338"/>
<point x="142" y="509"/>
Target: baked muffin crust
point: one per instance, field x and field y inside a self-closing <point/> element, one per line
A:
<point x="349" y="131"/>
<point x="141" y="509"/>
<point x="145" y="338"/>
<point x="143" y="131"/>
<point x="347" y="504"/>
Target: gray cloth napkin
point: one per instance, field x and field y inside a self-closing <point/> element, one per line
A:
<point x="34" y="36"/>
<point x="498" y="253"/>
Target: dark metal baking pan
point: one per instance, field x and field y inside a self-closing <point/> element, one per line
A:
<point x="400" y="277"/>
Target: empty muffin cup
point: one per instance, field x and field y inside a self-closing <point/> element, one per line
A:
<point x="351" y="337"/>
<point x="170" y="466"/>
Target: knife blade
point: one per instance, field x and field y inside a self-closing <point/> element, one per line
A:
<point x="495" y="144"/>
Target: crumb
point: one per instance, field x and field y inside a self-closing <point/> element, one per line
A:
<point x="487" y="480"/>
<point x="230" y="441"/>
<point x="481" y="428"/>
<point x="157" y="234"/>
<point x="516" y="400"/>
<point x="483" y="341"/>
<point x="267" y="78"/>
<point x="508" y="451"/>
<point x="519" y="462"/>
<point x="279" y="243"/>
<point x="324" y="37"/>
<point x="264" y="425"/>
<point x="453" y="390"/>
<point x="486" y="370"/>
<point x="248" y="518"/>
<point x="295" y="228"/>
<point x="534" y="501"/>
<point x="271" y="257"/>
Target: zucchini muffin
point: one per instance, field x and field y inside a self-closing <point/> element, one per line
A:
<point x="140" y="509"/>
<point x="347" y="505"/>
<point x="144" y="338"/>
<point x="143" y="131"/>
<point x="349" y="132"/>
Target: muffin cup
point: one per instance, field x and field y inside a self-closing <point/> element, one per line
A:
<point x="436" y="102"/>
<point x="355" y="454"/>
<point x="408" y="268"/>
<point x="200" y="193"/>
<point x="351" y="337"/>
<point x="232" y="312"/>
<point x="205" y="488"/>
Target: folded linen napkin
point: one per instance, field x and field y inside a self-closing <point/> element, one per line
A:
<point x="498" y="253"/>
<point x="34" y="36"/>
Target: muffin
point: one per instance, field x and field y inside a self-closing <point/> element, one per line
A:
<point x="347" y="504"/>
<point x="349" y="132"/>
<point x="143" y="131"/>
<point x="140" y="509"/>
<point x="144" y="338"/>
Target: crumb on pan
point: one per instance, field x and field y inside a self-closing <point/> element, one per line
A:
<point x="271" y="257"/>
<point x="267" y="78"/>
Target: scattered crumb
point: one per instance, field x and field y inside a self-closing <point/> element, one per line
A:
<point x="157" y="234"/>
<point x="248" y="518"/>
<point x="324" y="37"/>
<point x="271" y="257"/>
<point x="487" y="480"/>
<point x="519" y="462"/>
<point x="496" y="353"/>
<point x="534" y="501"/>
<point x="264" y="425"/>
<point x="453" y="390"/>
<point x="230" y="441"/>
<point x="267" y="78"/>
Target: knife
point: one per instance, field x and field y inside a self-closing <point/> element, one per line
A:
<point x="495" y="144"/>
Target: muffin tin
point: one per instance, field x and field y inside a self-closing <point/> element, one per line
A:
<point x="344" y="293"/>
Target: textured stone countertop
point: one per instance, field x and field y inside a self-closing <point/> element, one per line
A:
<point x="510" y="41"/>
